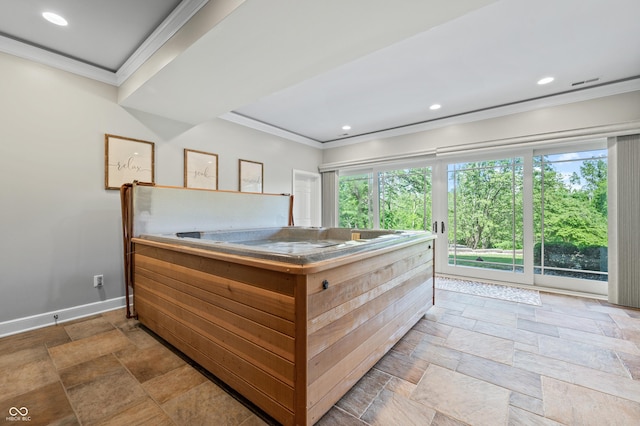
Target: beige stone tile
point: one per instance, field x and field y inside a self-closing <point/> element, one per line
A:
<point x="140" y="338"/>
<point x="582" y="354"/>
<point x="433" y="328"/>
<point x="90" y="370"/>
<point x="626" y="322"/>
<point x="567" y="321"/>
<point x="631" y="363"/>
<point x="204" y="403"/>
<point x="254" y="420"/>
<point x="364" y="392"/>
<point x="468" y="299"/>
<point x="490" y="315"/>
<point x="443" y="420"/>
<point x="405" y="367"/>
<point x="462" y="397"/>
<point x="500" y="374"/>
<point x="105" y="396"/>
<point x="563" y="300"/>
<point x="520" y="417"/>
<point x="608" y="309"/>
<point x="632" y="312"/>
<point x="581" y="313"/>
<point x="145" y="364"/>
<point x="118" y="317"/>
<point x="46" y="405"/>
<point x="435" y="313"/>
<point x="579" y="375"/>
<point x="87" y="328"/>
<point x="27" y="377"/>
<point x="337" y="417"/>
<point x="409" y="341"/>
<point x="453" y="306"/>
<point x="174" y="383"/>
<point x="538" y="327"/>
<point x="401" y="387"/>
<point x="11" y="360"/>
<point x="89" y="348"/>
<point x="611" y="329"/>
<point x="438" y="355"/>
<point x="528" y="348"/>
<point x="605" y="342"/>
<point x="509" y="333"/>
<point x="146" y="412"/>
<point x="507" y="306"/>
<point x="570" y="404"/>
<point x="48" y="336"/>
<point x="482" y="345"/>
<point x="392" y="409"/>
<point x="527" y="403"/>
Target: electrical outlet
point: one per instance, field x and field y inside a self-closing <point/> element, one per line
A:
<point x="97" y="280"/>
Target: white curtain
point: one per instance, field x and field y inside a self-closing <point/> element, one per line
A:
<point x="624" y="221"/>
<point x="330" y="198"/>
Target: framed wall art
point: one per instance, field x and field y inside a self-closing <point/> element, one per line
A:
<point x="127" y="160"/>
<point x="200" y="169"/>
<point x="251" y="175"/>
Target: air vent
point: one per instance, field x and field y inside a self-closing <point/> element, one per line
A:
<point x="591" y="80"/>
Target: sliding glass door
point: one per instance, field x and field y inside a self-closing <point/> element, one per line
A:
<point x="484" y="226"/>
<point x="386" y="199"/>
<point x="570" y="220"/>
<point x="529" y="217"/>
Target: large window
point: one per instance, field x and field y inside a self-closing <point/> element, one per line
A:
<point x="530" y="216"/>
<point x="389" y="199"/>
<point x="570" y="215"/>
<point x="355" y="201"/>
<point x="485" y="214"/>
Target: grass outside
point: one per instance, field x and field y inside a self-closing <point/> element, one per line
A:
<point x="486" y="258"/>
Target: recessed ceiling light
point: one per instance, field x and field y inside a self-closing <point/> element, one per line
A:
<point x="545" y="80"/>
<point x="55" y="19"/>
<point x="435" y="107"/>
<point x="346" y="127"/>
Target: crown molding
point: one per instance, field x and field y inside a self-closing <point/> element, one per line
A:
<point x="180" y="16"/>
<point x="54" y="60"/>
<point x="268" y="128"/>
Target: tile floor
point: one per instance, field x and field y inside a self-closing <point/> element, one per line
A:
<point x="471" y="360"/>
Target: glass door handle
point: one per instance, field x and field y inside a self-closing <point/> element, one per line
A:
<point x="441" y="227"/>
<point x="434" y="228"/>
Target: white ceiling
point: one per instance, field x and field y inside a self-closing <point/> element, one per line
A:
<point x="303" y="69"/>
<point x="100" y="33"/>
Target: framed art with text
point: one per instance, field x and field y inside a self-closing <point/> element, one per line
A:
<point x="200" y="169"/>
<point x="127" y="160"/>
<point x="251" y="175"/>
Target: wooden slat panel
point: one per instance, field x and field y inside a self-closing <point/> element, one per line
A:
<point x="301" y="298"/>
<point x="197" y="349"/>
<point x="245" y="329"/>
<point x="246" y="351"/>
<point x="185" y="282"/>
<point x="275" y="281"/>
<point x="328" y="387"/>
<point x="363" y="291"/>
<point x="352" y="319"/>
<point x="348" y="282"/>
<point x="399" y="329"/>
<point x="277" y="304"/>
<point x="370" y="321"/>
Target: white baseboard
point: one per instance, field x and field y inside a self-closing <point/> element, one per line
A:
<point x="33" y="322"/>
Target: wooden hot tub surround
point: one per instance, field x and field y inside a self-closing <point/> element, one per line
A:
<point x="291" y="338"/>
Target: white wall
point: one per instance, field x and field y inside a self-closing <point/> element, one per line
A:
<point x="58" y="225"/>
